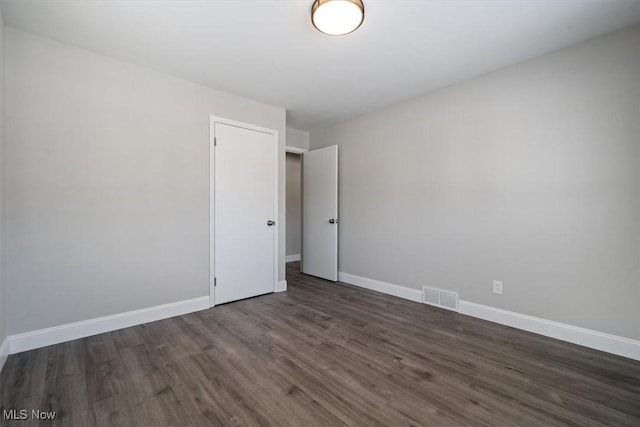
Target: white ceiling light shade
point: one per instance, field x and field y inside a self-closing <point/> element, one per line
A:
<point x="337" y="17"/>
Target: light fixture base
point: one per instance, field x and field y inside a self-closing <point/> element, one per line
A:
<point x="337" y="17"/>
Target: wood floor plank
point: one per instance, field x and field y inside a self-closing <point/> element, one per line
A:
<point x="322" y="354"/>
<point x="112" y="411"/>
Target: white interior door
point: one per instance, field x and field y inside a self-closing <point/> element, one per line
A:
<point x="320" y="213"/>
<point x="244" y="211"/>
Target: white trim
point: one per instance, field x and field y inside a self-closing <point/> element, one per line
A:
<point x="292" y="258"/>
<point x="212" y="121"/>
<point x="384" y="287"/>
<point x="276" y="215"/>
<point x="609" y="343"/>
<point x="585" y="337"/>
<point x="86" y="328"/>
<point x="243" y="125"/>
<point x="295" y="150"/>
<point x="212" y="265"/>
<point x="4" y="352"/>
<point x="282" y="286"/>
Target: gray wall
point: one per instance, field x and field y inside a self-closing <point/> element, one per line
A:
<point x="297" y="138"/>
<point x="530" y="175"/>
<point x="108" y="183"/>
<point x="3" y="283"/>
<point x="294" y="204"/>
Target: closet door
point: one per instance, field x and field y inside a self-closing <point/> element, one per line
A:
<point x="244" y="211"/>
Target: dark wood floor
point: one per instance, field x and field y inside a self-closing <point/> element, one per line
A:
<point x="323" y="354"/>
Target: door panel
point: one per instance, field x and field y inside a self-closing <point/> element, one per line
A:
<point x="319" y="207"/>
<point x="244" y="201"/>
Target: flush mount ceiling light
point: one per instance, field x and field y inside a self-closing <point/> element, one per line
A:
<point x="337" y="17"/>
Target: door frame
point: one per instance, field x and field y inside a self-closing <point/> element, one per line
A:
<point x="212" y="267"/>
<point x="295" y="150"/>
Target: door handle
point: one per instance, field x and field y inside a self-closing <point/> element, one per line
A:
<point x="333" y="221"/>
<point x="271" y="223"/>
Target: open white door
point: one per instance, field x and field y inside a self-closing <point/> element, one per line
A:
<point x="243" y="211"/>
<point x="320" y="213"/>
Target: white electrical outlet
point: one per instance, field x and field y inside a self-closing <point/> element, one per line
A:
<point x="497" y="287"/>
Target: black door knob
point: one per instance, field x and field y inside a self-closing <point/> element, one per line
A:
<point x="271" y="223"/>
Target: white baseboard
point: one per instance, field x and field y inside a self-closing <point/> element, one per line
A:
<point x="585" y="337"/>
<point x="281" y="286"/>
<point x="613" y="344"/>
<point x="292" y="258"/>
<point x="384" y="287"/>
<point x="86" y="328"/>
<point x="4" y="352"/>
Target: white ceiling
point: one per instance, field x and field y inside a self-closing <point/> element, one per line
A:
<point x="269" y="51"/>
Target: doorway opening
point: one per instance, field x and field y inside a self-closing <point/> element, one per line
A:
<point x="312" y="211"/>
<point x="293" y="245"/>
